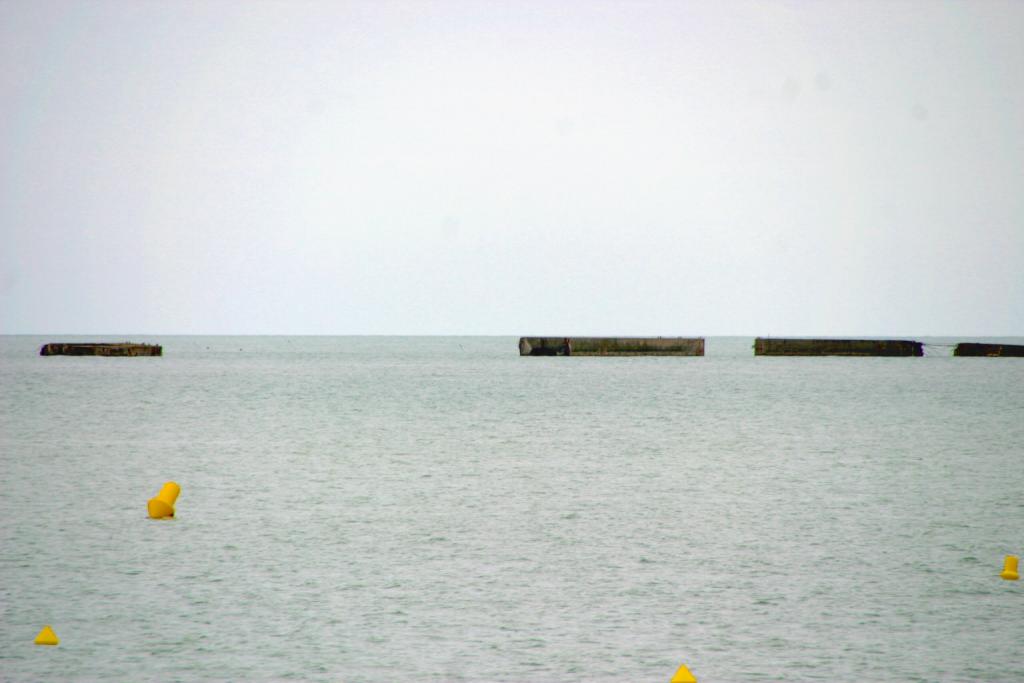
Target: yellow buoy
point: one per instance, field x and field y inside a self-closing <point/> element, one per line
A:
<point x="683" y="675"/>
<point x="1010" y="572"/>
<point x="47" y="636"/>
<point x="163" y="504"/>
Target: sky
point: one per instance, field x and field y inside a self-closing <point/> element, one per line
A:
<point x="530" y="167"/>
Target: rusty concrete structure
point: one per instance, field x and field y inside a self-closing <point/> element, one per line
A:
<point x="611" y="346"/>
<point x="100" y="349"/>
<point x="989" y="350"/>
<point x="764" y="346"/>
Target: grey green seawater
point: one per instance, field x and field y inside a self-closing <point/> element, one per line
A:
<point x="440" y="509"/>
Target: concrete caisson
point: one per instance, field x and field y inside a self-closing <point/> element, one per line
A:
<point x="765" y="346"/>
<point x="989" y="350"/>
<point x="102" y="349"/>
<point x="611" y="346"/>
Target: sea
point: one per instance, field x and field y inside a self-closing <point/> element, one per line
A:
<point x="370" y="509"/>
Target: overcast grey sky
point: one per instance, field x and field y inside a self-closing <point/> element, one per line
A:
<point x="662" y="168"/>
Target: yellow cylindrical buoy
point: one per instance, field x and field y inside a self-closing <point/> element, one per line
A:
<point x="683" y="675"/>
<point x="1010" y="571"/>
<point x="47" y="636"/>
<point x="163" y="505"/>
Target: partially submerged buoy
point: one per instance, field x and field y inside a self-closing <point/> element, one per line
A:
<point x="1010" y="571"/>
<point x="683" y="675"/>
<point x="47" y="637"/>
<point x="163" y="504"/>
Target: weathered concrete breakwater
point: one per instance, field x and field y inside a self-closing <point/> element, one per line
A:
<point x="837" y="347"/>
<point x="989" y="350"/>
<point x="101" y="349"/>
<point x="611" y="346"/>
<point x="882" y="347"/>
<point x="694" y="346"/>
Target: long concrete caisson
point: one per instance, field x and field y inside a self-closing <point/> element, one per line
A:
<point x="989" y="350"/>
<point x="91" y="349"/>
<point x="764" y="346"/>
<point x="611" y="346"/>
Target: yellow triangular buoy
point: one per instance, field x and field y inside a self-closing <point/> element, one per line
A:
<point x="683" y="675"/>
<point x="47" y="637"/>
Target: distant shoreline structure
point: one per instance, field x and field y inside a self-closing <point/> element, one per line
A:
<point x="100" y="349"/>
